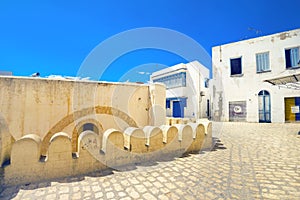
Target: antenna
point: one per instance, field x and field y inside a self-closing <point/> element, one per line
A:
<point x="251" y="29"/>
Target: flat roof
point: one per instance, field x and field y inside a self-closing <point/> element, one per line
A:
<point x="75" y="80"/>
<point x="260" y="37"/>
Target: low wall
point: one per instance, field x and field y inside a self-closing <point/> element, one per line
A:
<point x="98" y="151"/>
<point x="206" y="124"/>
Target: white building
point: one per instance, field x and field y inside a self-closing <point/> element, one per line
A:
<point x="257" y="80"/>
<point x="187" y="94"/>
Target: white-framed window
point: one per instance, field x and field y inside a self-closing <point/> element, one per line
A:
<point x="174" y="80"/>
<point x="292" y="58"/>
<point x="262" y="62"/>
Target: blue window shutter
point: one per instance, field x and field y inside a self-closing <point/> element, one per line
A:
<point x="168" y="104"/>
<point x="262" y="62"/>
<point x="294" y="56"/>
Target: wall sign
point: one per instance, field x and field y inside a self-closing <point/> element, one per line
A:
<point x="295" y="109"/>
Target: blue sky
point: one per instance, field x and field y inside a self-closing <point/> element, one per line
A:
<point x="55" y="37"/>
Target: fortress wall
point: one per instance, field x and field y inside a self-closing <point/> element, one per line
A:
<point x="149" y="144"/>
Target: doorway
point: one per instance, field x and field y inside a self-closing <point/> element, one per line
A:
<point x="264" y="106"/>
<point x="178" y="109"/>
<point x="292" y="111"/>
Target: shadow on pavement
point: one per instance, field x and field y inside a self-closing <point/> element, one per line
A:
<point x="217" y="145"/>
<point x="9" y="192"/>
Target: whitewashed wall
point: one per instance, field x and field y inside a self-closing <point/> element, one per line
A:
<point x="247" y="87"/>
<point x="195" y="79"/>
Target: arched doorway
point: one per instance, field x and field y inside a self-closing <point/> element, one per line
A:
<point x="264" y="106"/>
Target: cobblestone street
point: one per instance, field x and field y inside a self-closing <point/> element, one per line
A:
<point x="248" y="161"/>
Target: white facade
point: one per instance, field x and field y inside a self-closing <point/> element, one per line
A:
<point x="240" y="92"/>
<point x="187" y="93"/>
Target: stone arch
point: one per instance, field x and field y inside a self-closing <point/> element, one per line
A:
<point x="185" y="135"/>
<point x="112" y="140"/>
<point x="59" y="126"/>
<point x="135" y="140"/>
<point x="76" y="131"/>
<point x="154" y="138"/>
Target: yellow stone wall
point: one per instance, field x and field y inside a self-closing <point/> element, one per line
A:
<point x="149" y="144"/>
<point x="37" y="105"/>
<point x="42" y="136"/>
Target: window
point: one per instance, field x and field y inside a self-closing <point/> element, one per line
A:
<point x="262" y="62"/>
<point x="90" y="127"/>
<point x="174" y="80"/>
<point x="236" y="66"/>
<point x="168" y="103"/>
<point x="292" y="58"/>
<point x="206" y="82"/>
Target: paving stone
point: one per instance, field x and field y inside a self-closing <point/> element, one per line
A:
<point x="148" y="184"/>
<point x="86" y="189"/>
<point x="163" y="197"/>
<point x="148" y="196"/>
<point x="257" y="162"/>
<point x="108" y="189"/>
<point x="122" y="194"/>
<point x="170" y="186"/>
<point x="134" y="194"/>
<point x="63" y="196"/>
<point x="63" y="190"/>
<point x="125" y="183"/>
<point x="134" y="181"/>
<point x="126" y="198"/>
<point x="98" y="195"/>
<point x="118" y="187"/>
<point x="39" y="193"/>
<point x="96" y="188"/>
<point x="141" y="189"/>
<point x="110" y="195"/>
<point x="76" y="195"/>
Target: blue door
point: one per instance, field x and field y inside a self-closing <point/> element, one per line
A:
<point x="178" y="109"/>
<point x="297" y="103"/>
<point x="264" y="104"/>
